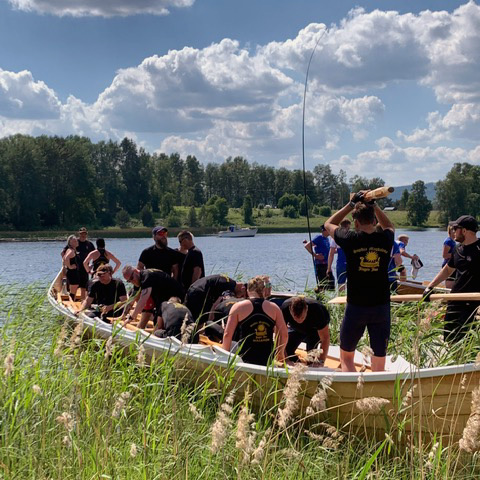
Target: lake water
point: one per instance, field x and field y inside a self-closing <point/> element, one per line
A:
<point x="282" y="256"/>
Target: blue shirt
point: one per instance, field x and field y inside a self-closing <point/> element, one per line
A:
<point x="449" y="242"/>
<point x="321" y="245"/>
<point x="392" y="273"/>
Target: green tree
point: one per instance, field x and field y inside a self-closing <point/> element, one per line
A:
<point x="289" y="199"/>
<point x="192" y="220"/>
<point x="402" y="205"/>
<point x="167" y="204"/>
<point x="222" y="211"/>
<point x="290" y="211"/>
<point x="122" y="218"/>
<point x="247" y="210"/>
<point x="146" y="215"/>
<point x="418" y="205"/>
<point x="174" y="219"/>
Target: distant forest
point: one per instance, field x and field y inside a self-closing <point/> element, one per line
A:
<point x="62" y="182"/>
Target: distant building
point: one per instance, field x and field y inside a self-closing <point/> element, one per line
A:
<point x="389" y="209"/>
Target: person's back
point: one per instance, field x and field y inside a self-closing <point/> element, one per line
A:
<point x="254" y="334"/>
<point x="163" y="285"/>
<point x="202" y="294"/>
<point x="368" y="258"/>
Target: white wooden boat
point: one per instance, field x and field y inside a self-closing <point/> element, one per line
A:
<point x="234" y="231"/>
<point x="419" y="402"/>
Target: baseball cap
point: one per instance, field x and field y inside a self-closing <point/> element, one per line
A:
<point x="466" y="221"/>
<point x="159" y="229"/>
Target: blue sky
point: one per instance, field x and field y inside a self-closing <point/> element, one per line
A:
<point x="394" y="89"/>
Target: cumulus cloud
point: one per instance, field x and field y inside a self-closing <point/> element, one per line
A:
<point x="187" y="90"/>
<point x="21" y="97"/>
<point x="399" y="165"/>
<point x="102" y="8"/>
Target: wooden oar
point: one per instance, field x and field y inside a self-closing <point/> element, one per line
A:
<point x="444" y="297"/>
<point x="380" y="192"/>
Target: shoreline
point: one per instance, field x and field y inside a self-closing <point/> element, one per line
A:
<point x="61" y="235"/>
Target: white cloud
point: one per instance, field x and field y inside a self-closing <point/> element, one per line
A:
<point x="399" y="166"/>
<point x="21" y="97"/>
<point x="102" y="8"/>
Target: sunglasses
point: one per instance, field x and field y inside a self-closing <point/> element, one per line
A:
<point x="101" y="274"/>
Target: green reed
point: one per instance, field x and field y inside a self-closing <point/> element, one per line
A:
<point x="86" y="410"/>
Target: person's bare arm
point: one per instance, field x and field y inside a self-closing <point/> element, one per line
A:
<point x="281" y="333"/>
<point x="160" y="324"/>
<point x="382" y="218"/>
<point x="114" y="259"/>
<point x="397" y="259"/>
<point x="141" y="302"/>
<point x="231" y="326"/>
<point x="324" y="335"/>
<point x="108" y="308"/>
<point x="85" y="304"/>
<point x="446" y="254"/>
<point x="86" y="262"/>
<point x="175" y="271"/>
<point x="331" y="255"/>
<point x="309" y="248"/>
<point x="334" y="221"/>
<point x="211" y="314"/>
<point x="66" y="259"/>
<point x="140" y="265"/>
<point x="442" y="275"/>
<point x="197" y="273"/>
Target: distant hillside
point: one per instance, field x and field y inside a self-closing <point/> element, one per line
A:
<point x="430" y="191"/>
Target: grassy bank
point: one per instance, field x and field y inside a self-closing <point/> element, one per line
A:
<point x="74" y="409"/>
<point x="277" y="223"/>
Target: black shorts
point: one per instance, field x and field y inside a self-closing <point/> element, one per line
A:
<point x="72" y="276"/>
<point x="82" y="278"/>
<point x="375" y="319"/>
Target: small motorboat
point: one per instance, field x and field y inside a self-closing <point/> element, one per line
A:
<point x="234" y="231"/>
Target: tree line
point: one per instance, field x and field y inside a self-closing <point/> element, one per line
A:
<point x="52" y="182"/>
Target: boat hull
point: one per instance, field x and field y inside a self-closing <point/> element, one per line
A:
<point x="242" y="232"/>
<point x="421" y="402"/>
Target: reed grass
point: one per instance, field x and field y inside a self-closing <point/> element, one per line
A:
<point x="77" y="408"/>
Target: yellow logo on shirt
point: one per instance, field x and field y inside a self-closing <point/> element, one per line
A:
<point x="370" y="262"/>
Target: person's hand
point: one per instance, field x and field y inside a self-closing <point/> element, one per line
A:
<point x="357" y="197"/>
<point x="106" y="309"/>
<point x="427" y="293"/>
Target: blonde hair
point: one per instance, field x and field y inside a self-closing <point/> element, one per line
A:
<point x="257" y="285"/>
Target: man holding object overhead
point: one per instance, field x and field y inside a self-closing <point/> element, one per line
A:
<point x="465" y="263"/>
<point x="367" y="250"/>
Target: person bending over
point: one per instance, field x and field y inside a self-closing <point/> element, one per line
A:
<point x="154" y="284"/>
<point x="368" y="293"/>
<point x="172" y="318"/>
<point x="258" y="326"/>
<point x="307" y="321"/>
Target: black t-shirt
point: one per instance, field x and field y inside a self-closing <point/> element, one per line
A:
<point x="106" y="294"/>
<point x="83" y="249"/>
<point x="466" y="260"/>
<point x="368" y="256"/>
<point x="193" y="258"/>
<point x="173" y="315"/>
<point x="161" y="258"/>
<point x="222" y="310"/>
<point x="317" y="316"/>
<point x="204" y="292"/>
<point x="163" y="285"/>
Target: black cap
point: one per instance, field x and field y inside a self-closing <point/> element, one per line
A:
<point x="159" y="229"/>
<point x="466" y="221"/>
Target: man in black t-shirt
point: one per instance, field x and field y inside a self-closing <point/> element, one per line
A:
<point x="160" y="256"/>
<point x="172" y="316"/>
<point x="204" y="292"/>
<point x="368" y="295"/>
<point x="154" y="284"/>
<point x="105" y="292"/>
<point x="464" y="264"/>
<point x="84" y="248"/>
<point x="192" y="268"/>
<point x="307" y="321"/>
